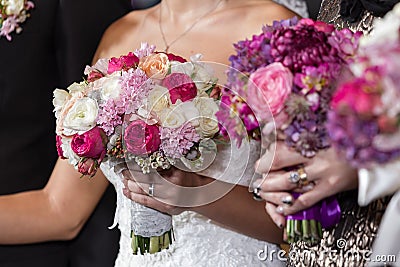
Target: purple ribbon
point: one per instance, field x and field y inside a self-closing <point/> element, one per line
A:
<point x="327" y="212"/>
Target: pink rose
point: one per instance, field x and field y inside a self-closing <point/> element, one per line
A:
<point x="89" y="144"/>
<point x="60" y="152"/>
<point x="142" y="139"/>
<point x="358" y="96"/>
<point x="122" y="63"/>
<point x="180" y="86"/>
<point x="269" y="85"/>
<point x="88" y="166"/>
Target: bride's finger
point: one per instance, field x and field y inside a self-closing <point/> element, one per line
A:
<point x="286" y="157"/>
<point x="278" y="219"/>
<point x="307" y="199"/>
<point x="277" y="198"/>
<point x="276" y="182"/>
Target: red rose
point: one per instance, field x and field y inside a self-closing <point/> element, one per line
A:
<point x="180" y="86"/>
<point x="141" y="138"/>
<point x="89" y="144"/>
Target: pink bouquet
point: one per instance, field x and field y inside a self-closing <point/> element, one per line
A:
<point x="146" y="107"/>
<point x="12" y="14"/>
<point x="283" y="79"/>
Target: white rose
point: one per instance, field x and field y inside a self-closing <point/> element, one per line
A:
<point x="60" y="97"/>
<point x="13" y="7"/>
<point x="158" y="99"/>
<point x="171" y="118"/>
<point x="111" y="86"/>
<point x="76" y="88"/>
<point x="179" y="67"/>
<point x="204" y="77"/>
<point x="73" y="158"/>
<point x="189" y="111"/>
<point x="208" y="121"/>
<point x="81" y="117"/>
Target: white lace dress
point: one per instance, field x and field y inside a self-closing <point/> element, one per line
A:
<point x="198" y="240"/>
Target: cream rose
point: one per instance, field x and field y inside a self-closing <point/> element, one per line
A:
<point x="81" y="117"/>
<point x="158" y="99"/>
<point x="60" y="97"/>
<point x="155" y="65"/>
<point x="13" y="7"/>
<point x="171" y="118"/>
<point x="208" y="121"/>
<point x="110" y="86"/>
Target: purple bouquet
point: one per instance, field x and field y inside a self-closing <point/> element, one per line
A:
<point x="283" y="80"/>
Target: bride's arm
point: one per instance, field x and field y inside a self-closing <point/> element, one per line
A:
<point x="226" y="204"/>
<point x="238" y="211"/>
<point x="56" y="212"/>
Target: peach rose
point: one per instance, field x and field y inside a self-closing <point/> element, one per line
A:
<point x="155" y="65"/>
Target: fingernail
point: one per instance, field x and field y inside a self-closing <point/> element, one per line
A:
<point x="308" y="187"/>
<point x="288" y="200"/>
<point x="257" y="183"/>
<point x="279" y="209"/>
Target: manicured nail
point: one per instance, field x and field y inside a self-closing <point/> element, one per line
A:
<point x="308" y="187"/>
<point x="288" y="200"/>
<point x="257" y="183"/>
<point x="279" y="209"/>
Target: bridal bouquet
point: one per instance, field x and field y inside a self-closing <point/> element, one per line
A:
<point x="12" y="14"/>
<point x="284" y="78"/>
<point x="146" y="107"/>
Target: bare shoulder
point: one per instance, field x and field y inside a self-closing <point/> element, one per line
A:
<point x="254" y="14"/>
<point x="118" y="36"/>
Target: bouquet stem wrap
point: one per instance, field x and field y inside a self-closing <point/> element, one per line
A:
<point x="151" y="229"/>
<point x="307" y="225"/>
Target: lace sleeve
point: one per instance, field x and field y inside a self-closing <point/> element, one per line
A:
<point x="330" y="13"/>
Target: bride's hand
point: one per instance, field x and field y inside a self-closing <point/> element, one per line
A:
<point x="326" y="173"/>
<point x="168" y="188"/>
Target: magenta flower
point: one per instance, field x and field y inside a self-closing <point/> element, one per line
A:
<point x="122" y="63"/>
<point x="357" y="96"/>
<point x="60" y="151"/>
<point x="142" y="139"/>
<point x="180" y="86"/>
<point x="89" y="144"/>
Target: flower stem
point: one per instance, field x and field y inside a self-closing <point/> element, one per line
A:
<point x="152" y="245"/>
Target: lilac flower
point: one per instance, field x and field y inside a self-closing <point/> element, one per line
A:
<point x="176" y="142"/>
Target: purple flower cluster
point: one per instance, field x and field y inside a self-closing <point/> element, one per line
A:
<point x="176" y="142"/>
<point x="353" y="137"/>
<point x="135" y="87"/>
<point x="315" y="53"/>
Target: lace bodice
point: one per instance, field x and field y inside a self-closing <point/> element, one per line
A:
<point x="198" y="240"/>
